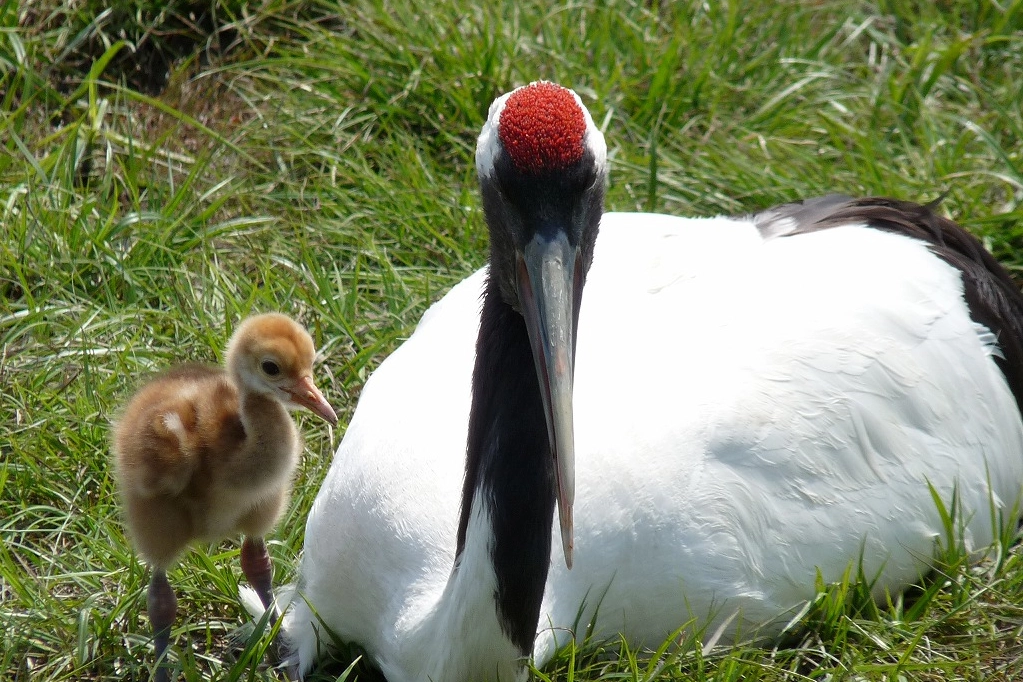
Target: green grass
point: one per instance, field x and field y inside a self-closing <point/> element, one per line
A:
<point x="320" y="162"/>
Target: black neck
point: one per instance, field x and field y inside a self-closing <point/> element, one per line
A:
<point x="508" y="461"/>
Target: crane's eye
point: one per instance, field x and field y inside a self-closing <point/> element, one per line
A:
<point x="270" y="368"/>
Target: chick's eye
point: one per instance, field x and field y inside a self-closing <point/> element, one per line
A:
<point x="270" y="368"/>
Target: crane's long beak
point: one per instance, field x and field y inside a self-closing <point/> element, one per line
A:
<point x="305" y="393"/>
<point x="549" y="288"/>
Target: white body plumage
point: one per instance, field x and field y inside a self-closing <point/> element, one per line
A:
<point x="748" y="412"/>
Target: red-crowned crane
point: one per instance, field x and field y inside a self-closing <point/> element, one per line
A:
<point x="727" y="408"/>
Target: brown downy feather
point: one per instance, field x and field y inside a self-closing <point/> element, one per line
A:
<point x="203" y="453"/>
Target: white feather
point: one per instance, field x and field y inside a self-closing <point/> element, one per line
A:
<point x="748" y="413"/>
<point x="250" y="601"/>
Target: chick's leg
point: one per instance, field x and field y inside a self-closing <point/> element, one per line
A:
<point x="162" y="606"/>
<point x="258" y="569"/>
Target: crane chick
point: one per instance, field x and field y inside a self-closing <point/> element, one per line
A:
<point x="203" y="453"/>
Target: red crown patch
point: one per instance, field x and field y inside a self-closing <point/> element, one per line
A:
<point x="542" y="128"/>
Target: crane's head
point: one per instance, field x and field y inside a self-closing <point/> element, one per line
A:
<point x="542" y="167"/>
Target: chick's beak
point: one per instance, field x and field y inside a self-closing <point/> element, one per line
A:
<point x="305" y="393"/>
